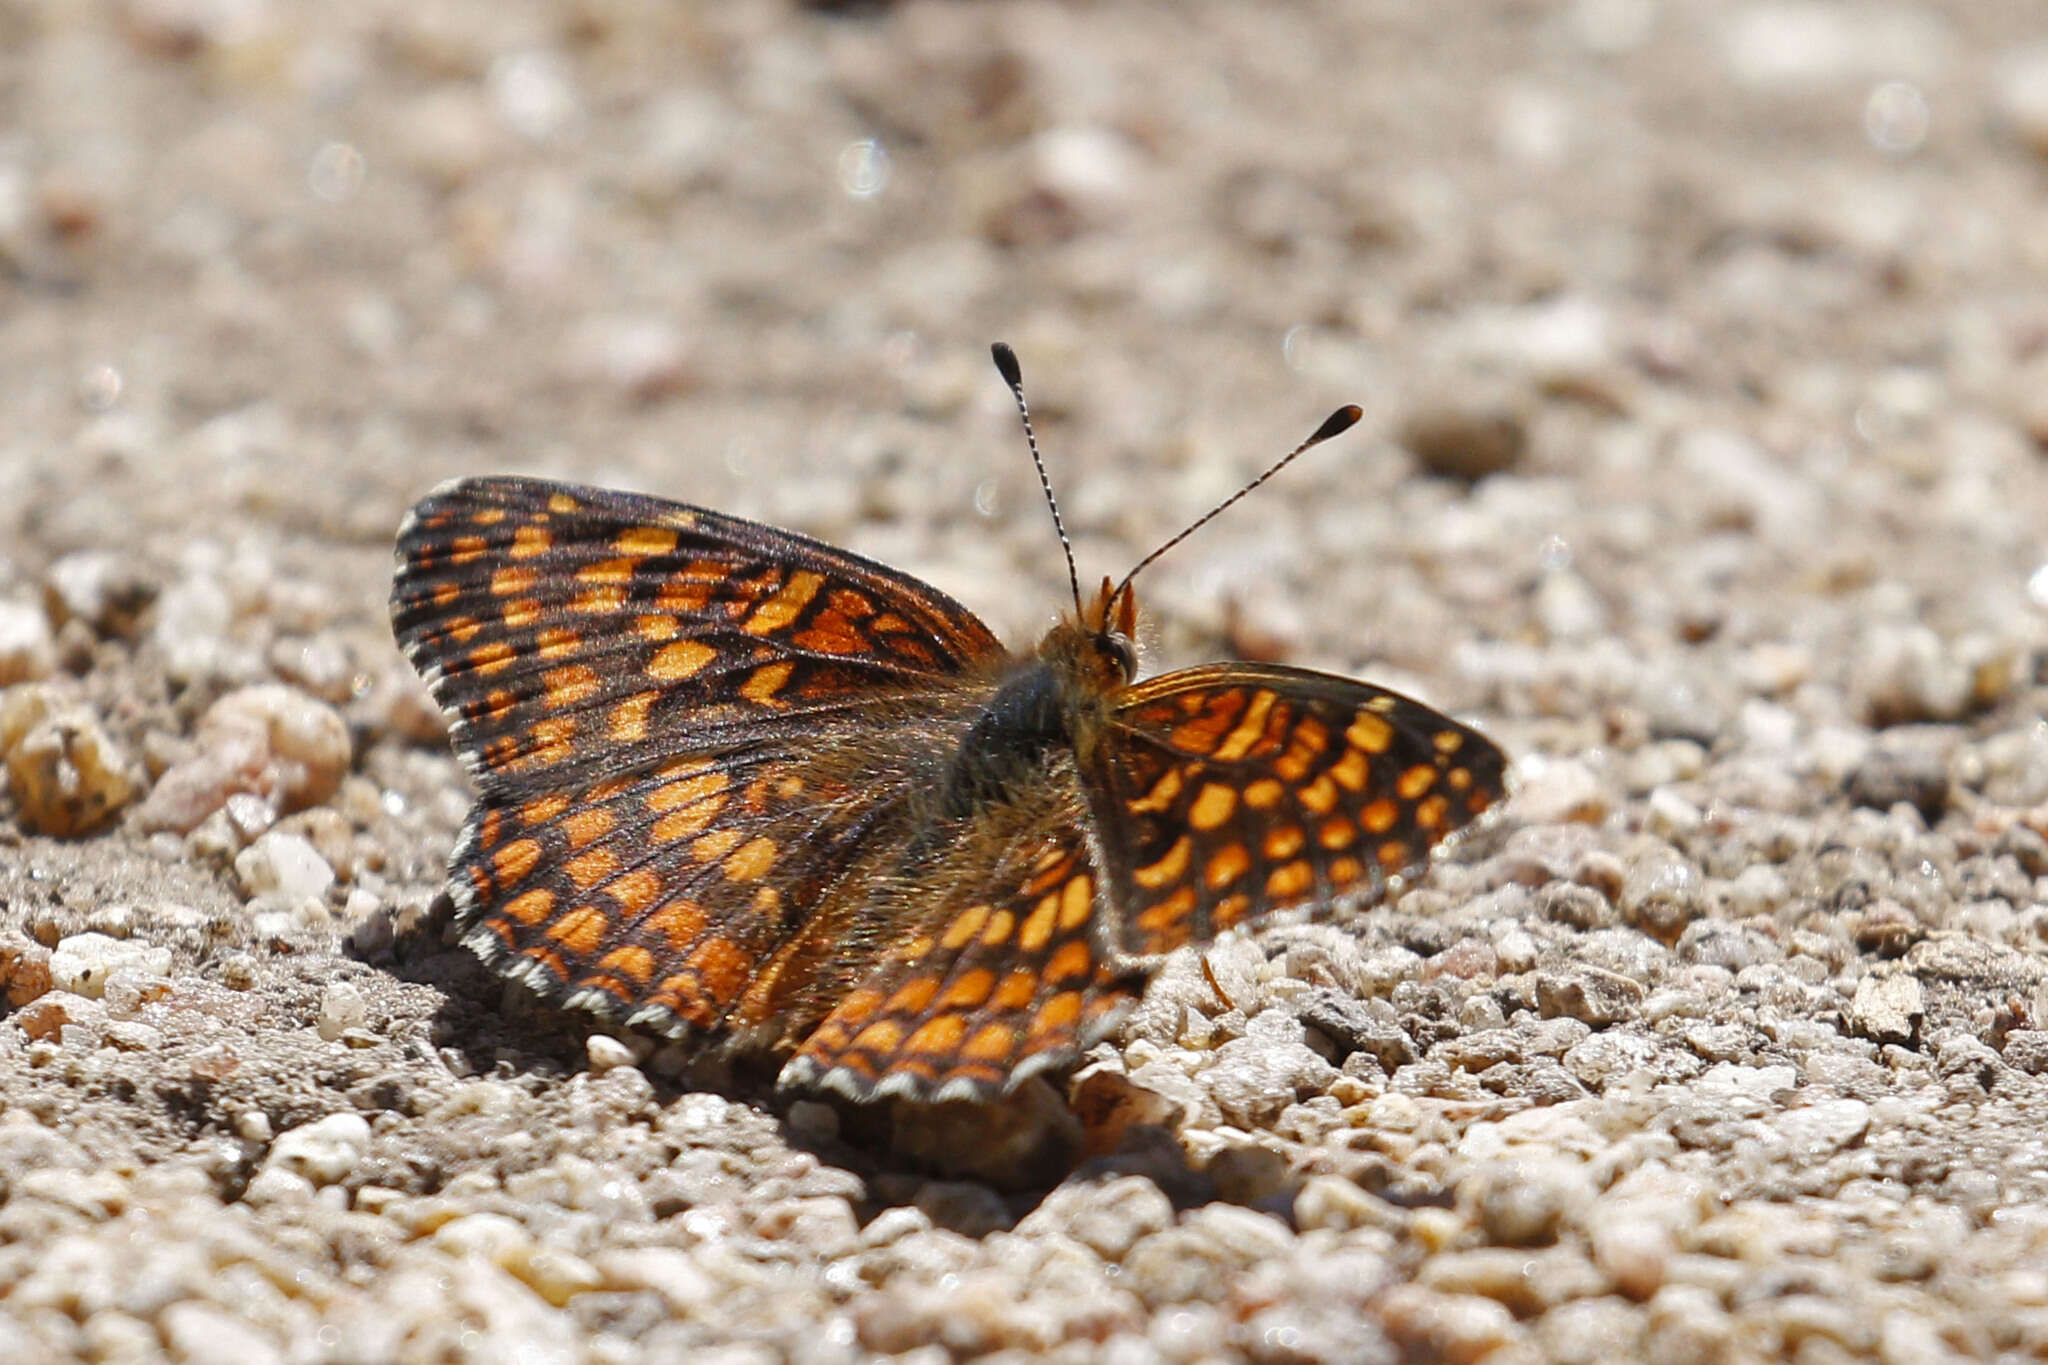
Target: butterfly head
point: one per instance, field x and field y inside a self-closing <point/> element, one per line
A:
<point x="1100" y="646"/>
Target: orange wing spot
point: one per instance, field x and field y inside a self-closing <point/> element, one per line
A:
<point x="1230" y="910"/>
<point x="1226" y="865"/>
<point x="1290" y="880"/>
<point x="1318" y="797"/>
<point x="1393" y="855"/>
<point x="670" y="829"/>
<point x="832" y="633"/>
<point x="570" y="685"/>
<point x="588" y="869"/>
<point x="683" y="659"/>
<point x="723" y="968"/>
<point x="889" y="623"/>
<point x="1337" y="832"/>
<point x="1248" y="731"/>
<point x="990" y="1043"/>
<point x="751" y="860"/>
<point x="1037" y="930"/>
<point x="884" y="1036"/>
<point x="1070" y="963"/>
<point x="716" y="845"/>
<point x="1430" y="814"/>
<point x="1284" y="842"/>
<point x="629" y="717"/>
<point x="562" y="502"/>
<point x="964" y="927"/>
<point x="520" y="614"/>
<point x="608" y="573"/>
<point x="687" y="791"/>
<point x="531" y="907"/>
<point x="446" y="593"/>
<point x="528" y="541"/>
<point x="548" y="740"/>
<point x="967" y="993"/>
<point x="685" y="596"/>
<point x="479" y="883"/>
<point x="1017" y="990"/>
<point x="1352" y="771"/>
<point x="492" y="829"/>
<point x="589" y="824"/>
<point x="1168" y="869"/>
<point x="940" y="1037"/>
<point x="497" y="702"/>
<point x="635" y="891"/>
<point x="786" y="605"/>
<point x="764" y="682"/>
<point x="599" y="601"/>
<point x="488" y="516"/>
<point x="1167" y="917"/>
<point x="1478" y="801"/>
<point x="632" y="963"/>
<point x="644" y="540"/>
<point x="767" y="901"/>
<point x="1458" y="779"/>
<point x="1344" y="871"/>
<point x="857" y="1005"/>
<point x="1214" y="804"/>
<point x="1263" y="794"/>
<point x="463" y="629"/>
<point x="1370" y="732"/>
<point x="913" y="996"/>
<point x="1162" y="796"/>
<point x="463" y="549"/>
<point x="550" y="960"/>
<point x="655" y="628"/>
<point x="580" y="930"/>
<point x="1000" y="926"/>
<point x="1202" y="734"/>
<point x="515" y="860"/>
<point x="1058" y="1015"/>
<point x="559" y="642"/>
<point x="513" y="580"/>
<point x="1447" y="741"/>
<point x="1077" y="901"/>
<point x="1415" y="781"/>
<point x="491" y="658"/>
<point x="1380" y="816"/>
<point x="680" y="922"/>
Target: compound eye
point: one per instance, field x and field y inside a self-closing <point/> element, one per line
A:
<point x="1125" y="654"/>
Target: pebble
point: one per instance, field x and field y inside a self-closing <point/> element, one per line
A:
<point x="1588" y="994"/>
<point x="325" y="1151"/>
<point x="272" y="742"/>
<point x="1555" y="791"/>
<point x="67" y="776"/>
<point x="199" y="1332"/>
<point x="342" y="1008"/>
<point x="1253" y="1078"/>
<point x="24" y="968"/>
<point x="606" y="1052"/>
<point x="1465" y="438"/>
<point x="1888" y="1008"/>
<point x="28" y="648"/>
<point x="101" y="588"/>
<point x="83" y="963"/>
<point x="284" y="864"/>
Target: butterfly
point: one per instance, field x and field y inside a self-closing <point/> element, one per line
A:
<point x="733" y="781"/>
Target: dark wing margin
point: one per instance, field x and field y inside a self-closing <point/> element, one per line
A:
<point x="1227" y="792"/>
<point x="570" y="632"/>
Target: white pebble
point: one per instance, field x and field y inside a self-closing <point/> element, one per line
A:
<point x="324" y="1151"/>
<point x="27" y="649"/>
<point x="82" y="963"/>
<point x="283" y="863"/>
<point x="607" y="1052"/>
<point x="341" y="1008"/>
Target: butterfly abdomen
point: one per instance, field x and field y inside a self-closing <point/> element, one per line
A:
<point x="1010" y="740"/>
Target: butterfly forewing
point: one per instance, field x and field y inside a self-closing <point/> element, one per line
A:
<point x="1226" y="792"/>
<point x="571" y="632"/>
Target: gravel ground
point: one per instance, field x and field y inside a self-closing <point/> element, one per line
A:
<point x="1704" y="349"/>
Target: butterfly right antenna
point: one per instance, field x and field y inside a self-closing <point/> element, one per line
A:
<point x="1007" y="367"/>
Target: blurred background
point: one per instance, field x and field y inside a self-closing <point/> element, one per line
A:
<point x="1646" y="300"/>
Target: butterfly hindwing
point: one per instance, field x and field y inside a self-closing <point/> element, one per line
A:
<point x="1228" y="791"/>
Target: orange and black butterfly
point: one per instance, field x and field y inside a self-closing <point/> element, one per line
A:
<point x="735" y="781"/>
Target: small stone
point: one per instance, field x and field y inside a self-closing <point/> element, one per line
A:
<point x="238" y="971"/>
<point x="674" y="1275"/>
<point x="1888" y="1009"/>
<point x="1898" y="770"/>
<point x="197" y="1331"/>
<point x="1252" y="1078"/>
<point x="324" y="1151"/>
<point x="1821" y="1130"/>
<point x="1556" y="791"/>
<point x="105" y="590"/>
<point x="342" y="1008"/>
<point x="275" y="743"/>
<point x="67" y="776"/>
<point x="1635" y="1252"/>
<point x="28" y="649"/>
<point x="47" y="1016"/>
<point x="1588" y="994"/>
<point x="491" y="1236"/>
<point x="1465" y="440"/>
<point x="83" y="963"/>
<point x="606" y="1052"/>
<point x="284" y="864"/>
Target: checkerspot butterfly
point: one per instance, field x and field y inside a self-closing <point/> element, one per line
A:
<point x="733" y="781"/>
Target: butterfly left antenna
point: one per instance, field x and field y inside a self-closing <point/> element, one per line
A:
<point x="1006" y="366"/>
